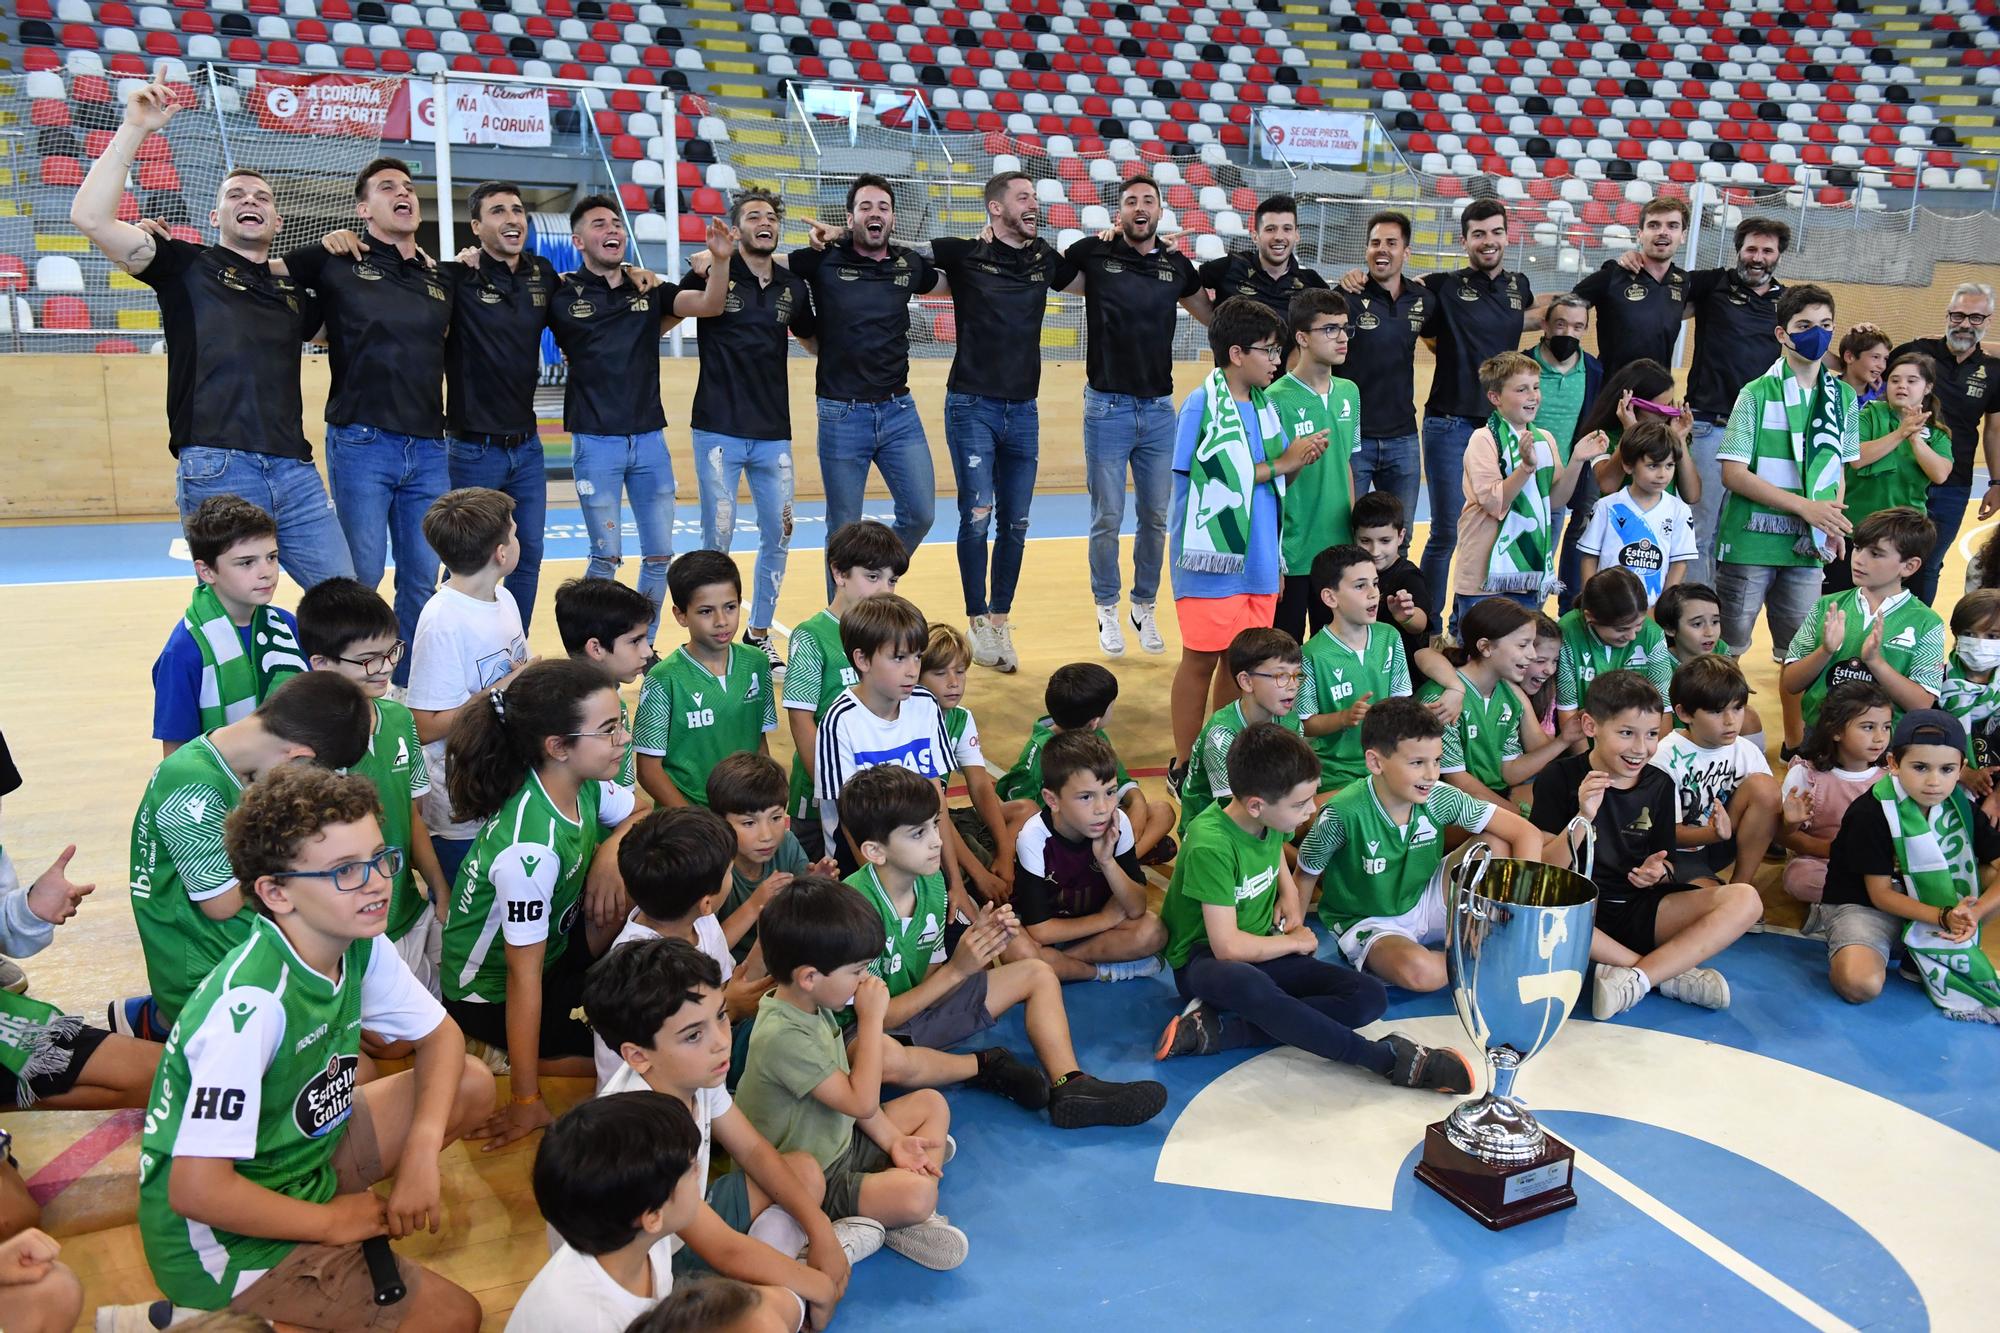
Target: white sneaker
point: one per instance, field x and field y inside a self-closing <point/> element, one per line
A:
<point x="12" y="978"/>
<point x="934" y="1243"/>
<point x="1703" y="986"/>
<point x="950" y="1149"/>
<point x="1010" y="661"/>
<point x="1149" y="628"/>
<point x="1109" y="636"/>
<point x="1615" y="990"/>
<point x="985" y="642"/>
<point x="142" y="1318"/>
<point x="859" y="1237"/>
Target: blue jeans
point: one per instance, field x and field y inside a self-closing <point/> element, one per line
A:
<point x="383" y="484"/>
<point x="519" y="472"/>
<point x="719" y="460"/>
<point x="1121" y="431"/>
<point x="995" y="447"/>
<point x="1390" y="463"/>
<point x="1947" y="505"/>
<point x="1702" y="445"/>
<point x="310" y="544"/>
<point x="1462" y="602"/>
<point x="1569" y="561"/>
<point x="1444" y="473"/>
<point x="603" y="465"/>
<point x="890" y="435"/>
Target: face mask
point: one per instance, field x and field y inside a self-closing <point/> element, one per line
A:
<point x="1980" y="654"/>
<point x="1812" y="343"/>
<point x="1561" y="346"/>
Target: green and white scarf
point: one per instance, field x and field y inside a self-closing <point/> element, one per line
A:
<point x="34" y="1040"/>
<point x="1811" y="438"/>
<point x="1523" y="557"/>
<point x="1974" y="704"/>
<point x="1935" y="864"/>
<point x="1222" y="481"/>
<point x="233" y="683"/>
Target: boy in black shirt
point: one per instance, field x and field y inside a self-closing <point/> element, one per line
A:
<point x="1647" y="927"/>
<point x="1381" y="528"/>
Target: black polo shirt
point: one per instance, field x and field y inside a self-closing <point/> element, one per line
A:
<point x="233" y="333"/>
<point x="868" y="300"/>
<point x="1129" y="315"/>
<point x="386" y="318"/>
<point x="493" y="356"/>
<point x="745" y="388"/>
<point x="1967" y="392"/>
<point x="1382" y="355"/>
<point x="1638" y="315"/>
<point x="1734" y="341"/>
<point x="999" y="294"/>
<point x="1475" y="317"/>
<point x="611" y="338"/>
<point x="1242" y="274"/>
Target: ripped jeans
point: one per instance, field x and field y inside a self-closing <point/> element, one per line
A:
<point x="719" y="462"/>
<point x="605" y="465"/>
<point x="995" y="445"/>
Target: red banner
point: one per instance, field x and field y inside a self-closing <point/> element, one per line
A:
<point x="338" y="104"/>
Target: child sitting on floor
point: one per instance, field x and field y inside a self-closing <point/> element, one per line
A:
<point x="985" y="844"/>
<point x="1840" y="761"/>
<point x="748" y="790"/>
<point x="1079" y="698"/>
<point x="1728" y="798"/>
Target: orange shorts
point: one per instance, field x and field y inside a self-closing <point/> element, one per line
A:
<point x="1208" y="624"/>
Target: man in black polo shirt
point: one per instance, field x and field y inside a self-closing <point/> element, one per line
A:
<point x="1642" y="296"/>
<point x="1269" y="274"/>
<point x="1130" y="287"/>
<point x="386" y="315"/>
<point x="609" y="332"/>
<point x="1389" y="311"/>
<point x="862" y="286"/>
<point x="233" y="333"/>
<point x="1968" y="393"/>
<point x="742" y="415"/>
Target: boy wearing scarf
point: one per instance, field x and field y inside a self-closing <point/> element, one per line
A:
<point x="1791" y="436"/>
<point x="1231" y="458"/>
<point x="231" y="647"/>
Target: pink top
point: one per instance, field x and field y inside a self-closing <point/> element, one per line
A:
<point x="1832" y="790"/>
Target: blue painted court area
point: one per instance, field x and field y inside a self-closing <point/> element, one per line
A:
<point x="1791" y="1162"/>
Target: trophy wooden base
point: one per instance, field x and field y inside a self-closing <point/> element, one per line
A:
<point x="1498" y="1197"/>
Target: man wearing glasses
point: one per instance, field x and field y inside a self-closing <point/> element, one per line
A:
<point x="1966" y="376"/>
<point x="1310" y="400"/>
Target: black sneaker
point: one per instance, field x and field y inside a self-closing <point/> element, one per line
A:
<point x="1176" y="774"/>
<point x="770" y="651"/>
<point x="1000" y="1072"/>
<point x="1162" y="852"/>
<point x="1195" y="1030"/>
<point x="1081" y="1101"/>
<point x="1439" y="1069"/>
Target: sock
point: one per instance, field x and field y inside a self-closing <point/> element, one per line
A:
<point x="1381" y="1057"/>
<point x="1644" y="980"/>
<point x="1074" y="1073"/>
<point x="779" y="1230"/>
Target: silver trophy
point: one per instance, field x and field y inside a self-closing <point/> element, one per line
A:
<point x="1516" y="953"/>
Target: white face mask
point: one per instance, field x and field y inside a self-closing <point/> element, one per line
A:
<point x="1980" y="654"/>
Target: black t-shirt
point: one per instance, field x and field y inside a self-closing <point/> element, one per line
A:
<point x="1864" y="846"/>
<point x="1242" y="274"/>
<point x="386" y="319"/>
<point x="233" y="333"/>
<point x="611" y="338"/>
<point x="1129" y="314"/>
<point x="1638" y="315"/>
<point x="1734" y="341"/>
<point x="1966" y="393"/>
<point x="1070" y="885"/>
<point x="10" y="776"/>
<point x="1382" y="355"/>
<point x="999" y="294"/>
<point x="745" y="385"/>
<point x="1632" y="824"/>
<point x="868" y="301"/>
<point x="493" y="355"/>
<point x="1404" y="576"/>
<point x="1475" y="317"/>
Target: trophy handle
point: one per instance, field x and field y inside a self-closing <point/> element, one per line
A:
<point x="1467" y="877"/>
<point x="1582" y="835"/>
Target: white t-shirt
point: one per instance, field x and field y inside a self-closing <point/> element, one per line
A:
<point x="852" y="738"/>
<point x="1622" y="531"/>
<point x="462" y="645"/>
<point x="1704" y="776"/>
<point x="708" y="1104"/>
<point x="711" y="941"/>
<point x="573" y="1294"/>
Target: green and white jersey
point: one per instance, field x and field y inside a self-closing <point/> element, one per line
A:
<point x="1487" y="733"/>
<point x="1585" y="657"/>
<point x="1319" y="499"/>
<point x="912" y="945"/>
<point x="815" y="674"/>
<point x="395" y="764"/>
<point x="522" y="882"/>
<point x="963" y="733"/>
<point x="1335" y="678"/>
<point x="1220" y="864"/>
<point x="1372" y="866"/>
<point x="1912" y="643"/>
<point x="1759" y="435"/>
<point x="628" y="776"/>
<point x="690" y="719"/>
<point x="177" y="863"/>
<point x="1207" y="779"/>
<point x="260" y="1071"/>
<point x="1023" y="782"/>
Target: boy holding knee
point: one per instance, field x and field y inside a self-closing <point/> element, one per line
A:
<point x="1729" y="802"/>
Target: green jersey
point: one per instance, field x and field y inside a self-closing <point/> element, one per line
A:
<point x="1207" y="778"/>
<point x="1487" y="733"/>
<point x="1372" y="866"/>
<point x="912" y="945"/>
<point x="815" y="675"/>
<point x="1221" y="864"/>
<point x="1335" y="678"/>
<point x="1318" y="499"/>
<point x="690" y="719"/>
<point x="1894" y="478"/>
<point x="522" y="882"/>
<point x="1585" y="657"/>
<point x="963" y="733"/>
<point x="260" y="1071"/>
<point x="1023" y="782"/>
<point x="1760" y="436"/>
<point x="1912" y="643"/>
<point x="395" y="764"/>
<point x="178" y="864"/>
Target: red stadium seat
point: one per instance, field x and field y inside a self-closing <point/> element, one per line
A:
<point x="116" y="347"/>
<point x="693" y="230"/>
<point x="708" y="203"/>
<point x="67" y="313"/>
<point x="62" y="171"/>
<point x="13" y="274"/>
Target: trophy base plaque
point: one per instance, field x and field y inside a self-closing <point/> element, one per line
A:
<point x="1498" y="1197"/>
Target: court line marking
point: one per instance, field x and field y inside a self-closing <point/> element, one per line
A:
<point x="76" y="1161"/>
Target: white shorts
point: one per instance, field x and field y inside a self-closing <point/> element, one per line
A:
<point x="1422" y="924"/>
<point x="421" y="948"/>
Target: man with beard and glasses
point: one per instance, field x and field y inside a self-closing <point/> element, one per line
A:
<point x="1389" y="310"/>
<point x="1967" y="401"/>
<point x="1270" y="274"/>
<point x="233" y="332"/>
